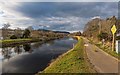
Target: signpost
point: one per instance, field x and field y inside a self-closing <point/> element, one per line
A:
<point x="113" y="29"/>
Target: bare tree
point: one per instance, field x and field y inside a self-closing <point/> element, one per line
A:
<point x="6" y="26"/>
<point x="5" y="31"/>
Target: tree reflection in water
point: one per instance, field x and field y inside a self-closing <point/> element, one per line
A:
<point x="6" y="52"/>
<point x="27" y="48"/>
<point x="9" y="52"/>
<point x="18" y="49"/>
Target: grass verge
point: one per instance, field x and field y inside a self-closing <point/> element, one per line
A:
<point x="106" y="49"/>
<point x="72" y="61"/>
<point x="13" y="42"/>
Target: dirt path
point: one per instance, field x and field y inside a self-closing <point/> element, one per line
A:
<point x="103" y="62"/>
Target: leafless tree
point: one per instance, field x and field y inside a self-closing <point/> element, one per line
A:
<point x="6" y="26"/>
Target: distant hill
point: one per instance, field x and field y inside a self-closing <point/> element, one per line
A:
<point x="97" y="25"/>
<point x="45" y="30"/>
<point x="61" y="32"/>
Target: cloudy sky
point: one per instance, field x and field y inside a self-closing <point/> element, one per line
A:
<point x="64" y="16"/>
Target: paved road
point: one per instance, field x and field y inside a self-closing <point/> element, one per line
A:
<point x="103" y="62"/>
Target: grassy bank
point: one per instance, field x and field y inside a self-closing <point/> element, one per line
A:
<point x="72" y="61"/>
<point x="12" y="42"/>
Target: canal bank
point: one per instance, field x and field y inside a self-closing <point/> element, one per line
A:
<point x="13" y="42"/>
<point x="33" y="57"/>
<point x="73" y="61"/>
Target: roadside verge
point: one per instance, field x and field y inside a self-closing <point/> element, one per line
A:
<point x="72" y="61"/>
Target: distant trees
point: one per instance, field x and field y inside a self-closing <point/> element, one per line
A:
<point x="26" y="33"/>
<point x="18" y="32"/>
<point x="76" y="33"/>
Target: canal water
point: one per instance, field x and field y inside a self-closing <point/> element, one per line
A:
<point x="34" y="57"/>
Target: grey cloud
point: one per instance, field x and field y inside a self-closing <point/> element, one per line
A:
<point x="82" y="9"/>
<point x="68" y="16"/>
<point x="64" y="24"/>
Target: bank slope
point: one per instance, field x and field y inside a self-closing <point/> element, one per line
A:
<point x="71" y="62"/>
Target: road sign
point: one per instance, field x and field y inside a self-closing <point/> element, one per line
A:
<point x="113" y="29"/>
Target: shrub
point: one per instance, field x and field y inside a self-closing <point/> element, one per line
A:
<point x="13" y="37"/>
<point x="103" y="35"/>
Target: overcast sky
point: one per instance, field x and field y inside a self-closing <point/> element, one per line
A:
<point x="65" y="16"/>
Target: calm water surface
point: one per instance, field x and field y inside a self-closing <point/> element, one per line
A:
<point x="34" y="57"/>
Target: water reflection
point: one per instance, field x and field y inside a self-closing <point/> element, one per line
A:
<point x="6" y="52"/>
<point x="9" y="52"/>
<point x="27" y="48"/>
<point x="34" y="57"/>
<point x="18" y="49"/>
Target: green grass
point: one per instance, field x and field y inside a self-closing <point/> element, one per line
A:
<point x="14" y="40"/>
<point x="70" y="62"/>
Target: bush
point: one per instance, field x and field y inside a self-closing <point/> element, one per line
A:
<point x="13" y="37"/>
<point x="103" y="35"/>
